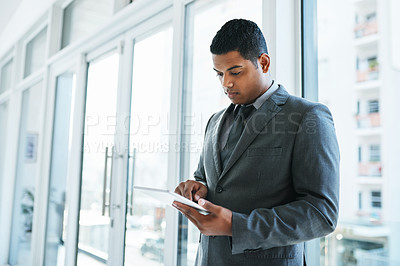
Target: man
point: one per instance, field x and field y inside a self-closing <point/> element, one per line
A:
<point x="269" y="170"/>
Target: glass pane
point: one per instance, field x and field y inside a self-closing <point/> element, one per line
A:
<point x="6" y="76"/>
<point x="24" y="194"/>
<point x="149" y="146"/>
<point x="35" y="53"/>
<point x="203" y="92"/>
<point x="3" y="135"/>
<point x="358" y="82"/>
<point x="94" y="221"/>
<point x="83" y="17"/>
<point x="56" y="212"/>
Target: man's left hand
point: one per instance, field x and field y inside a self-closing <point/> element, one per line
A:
<point x="217" y="223"/>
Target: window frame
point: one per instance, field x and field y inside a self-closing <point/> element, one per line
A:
<point x="15" y="142"/>
<point x="55" y="70"/>
<point x="28" y="38"/>
<point x="3" y="63"/>
<point x="309" y="78"/>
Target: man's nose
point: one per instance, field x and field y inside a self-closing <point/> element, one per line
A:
<point x="226" y="82"/>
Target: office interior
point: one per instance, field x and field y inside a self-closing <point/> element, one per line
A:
<point x="97" y="97"/>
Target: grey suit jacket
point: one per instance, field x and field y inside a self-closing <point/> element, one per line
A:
<point x="281" y="183"/>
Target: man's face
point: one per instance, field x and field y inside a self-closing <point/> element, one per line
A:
<point x="242" y="81"/>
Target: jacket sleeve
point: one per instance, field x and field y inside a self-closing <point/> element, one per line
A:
<point x="199" y="174"/>
<point x="315" y="177"/>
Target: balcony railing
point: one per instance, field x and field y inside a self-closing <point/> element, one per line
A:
<point x="368" y="74"/>
<point x="370" y="169"/>
<point x="368" y="120"/>
<point x="367" y="28"/>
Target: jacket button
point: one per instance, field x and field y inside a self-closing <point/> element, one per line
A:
<point x="219" y="189"/>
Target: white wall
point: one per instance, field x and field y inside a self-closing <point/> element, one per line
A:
<point x="26" y="15"/>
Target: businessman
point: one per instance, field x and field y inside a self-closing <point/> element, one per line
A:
<point x="269" y="170"/>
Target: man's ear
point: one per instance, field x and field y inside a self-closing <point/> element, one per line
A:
<point x="265" y="61"/>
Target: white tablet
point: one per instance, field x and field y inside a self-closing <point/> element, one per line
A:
<point x="168" y="197"/>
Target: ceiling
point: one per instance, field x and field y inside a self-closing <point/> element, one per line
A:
<point x="7" y="9"/>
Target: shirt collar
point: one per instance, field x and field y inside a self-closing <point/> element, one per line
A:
<point x="261" y="100"/>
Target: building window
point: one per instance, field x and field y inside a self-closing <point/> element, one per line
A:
<point x="376" y="199"/>
<point x="35" y="53"/>
<point x="5" y="76"/>
<point x="359" y="200"/>
<point x="375" y="153"/>
<point x="373" y="106"/>
<point x="359" y="154"/>
<point x="83" y="17"/>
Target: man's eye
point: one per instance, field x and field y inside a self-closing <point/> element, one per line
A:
<point x="235" y="73"/>
<point x="219" y="75"/>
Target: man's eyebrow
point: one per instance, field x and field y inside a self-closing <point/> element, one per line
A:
<point x="236" y="66"/>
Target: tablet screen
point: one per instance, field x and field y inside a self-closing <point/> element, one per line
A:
<point x="168" y="197"/>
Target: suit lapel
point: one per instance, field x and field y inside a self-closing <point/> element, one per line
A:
<point x="256" y="124"/>
<point x="215" y="139"/>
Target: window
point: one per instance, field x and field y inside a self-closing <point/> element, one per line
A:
<point x="148" y="145"/>
<point x="35" y="53"/>
<point x="84" y="17"/>
<point x="98" y="155"/>
<point x="25" y="184"/>
<point x="373" y="106"/>
<point x="3" y="133"/>
<point x="374" y="153"/>
<point x="203" y="92"/>
<point x="376" y="200"/>
<point x="359" y="200"/>
<point x="56" y="215"/>
<point x="6" y="76"/>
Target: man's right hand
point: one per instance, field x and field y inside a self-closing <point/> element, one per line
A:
<point x="192" y="190"/>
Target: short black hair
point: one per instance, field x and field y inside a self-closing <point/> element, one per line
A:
<point x="240" y="35"/>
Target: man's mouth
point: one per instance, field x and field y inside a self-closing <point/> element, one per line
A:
<point x="231" y="94"/>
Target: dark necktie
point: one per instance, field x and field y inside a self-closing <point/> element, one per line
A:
<point x="243" y="113"/>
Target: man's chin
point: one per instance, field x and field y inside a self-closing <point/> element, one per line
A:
<point x="235" y="101"/>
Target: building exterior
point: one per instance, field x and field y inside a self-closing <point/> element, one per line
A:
<point x="358" y="81"/>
